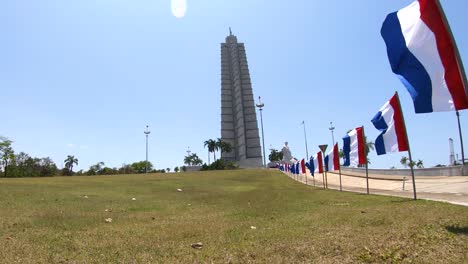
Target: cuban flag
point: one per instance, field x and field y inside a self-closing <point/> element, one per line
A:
<point x="353" y="148"/>
<point x="389" y="120"/>
<point x="421" y="52"/>
<point x="332" y="160"/>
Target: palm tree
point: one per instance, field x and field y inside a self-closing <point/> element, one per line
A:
<point x="420" y="164"/>
<point x="404" y="161"/>
<point x="223" y="146"/>
<point x="188" y="160"/>
<point x="211" y="145"/>
<point x="69" y="161"/>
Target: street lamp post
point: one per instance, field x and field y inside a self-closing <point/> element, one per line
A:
<point x="188" y="155"/>
<point x="305" y="139"/>
<point x="147" y="132"/>
<point x="260" y="106"/>
<point x="331" y="128"/>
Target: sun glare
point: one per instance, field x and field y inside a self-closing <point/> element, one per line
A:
<point x="179" y="7"/>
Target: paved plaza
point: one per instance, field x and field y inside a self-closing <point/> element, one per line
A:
<point x="451" y="189"/>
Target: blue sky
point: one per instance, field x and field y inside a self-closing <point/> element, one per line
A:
<point x="85" y="77"/>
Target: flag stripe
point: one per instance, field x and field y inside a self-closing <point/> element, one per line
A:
<point x="336" y="157"/>
<point x="399" y="124"/>
<point x="431" y="14"/>
<point x="361" y="145"/>
<point x="421" y="42"/>
<point x="422" y="52"/>
<point x="411" y="72"/>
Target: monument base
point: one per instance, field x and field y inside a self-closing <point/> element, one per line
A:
<point x="250" y="163"/>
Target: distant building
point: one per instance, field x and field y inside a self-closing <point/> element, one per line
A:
<point x="239" y="125"/>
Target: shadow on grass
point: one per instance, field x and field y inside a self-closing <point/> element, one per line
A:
<point x="461" y="230"/>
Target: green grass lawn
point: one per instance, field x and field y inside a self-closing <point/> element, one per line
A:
<point x="48" y="220"/>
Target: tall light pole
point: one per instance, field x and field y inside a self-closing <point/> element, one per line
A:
<point x="260" y="106"/>
<point x="147" y="132"/>
<point x="305" y="139"/>
<point x="331" y="128"/>
<point x="188" y="155"/>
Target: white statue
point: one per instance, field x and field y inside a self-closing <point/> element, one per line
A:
<point x="286" y="153"/>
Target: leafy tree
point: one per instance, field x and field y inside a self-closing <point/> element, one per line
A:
<point x="47" y="167"/>
<point x="140" y="167"/>
<point x="7" y="154"/>
<point x="184" y="169"/>
<point x="126" y="169"/>
<point x="168" y="170"/>
<point x="69" y="162"/>
<point x="176" y="169"/>
<point x="220" y="165"/>
<point x="275" y="155"/>
<point x="95" y="169"/>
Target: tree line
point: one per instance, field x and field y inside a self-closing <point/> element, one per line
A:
<point x="23" y="165"/>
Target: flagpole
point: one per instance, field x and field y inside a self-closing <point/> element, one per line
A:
<point x="326" y="179"/>
<point x="305" y="139"/>
<point x="462" y="72"/>
<point x="339" y="171"/>
<point x="365" y="155"/>
<point x="409" y="148"/>
<point x="339" y="166"/>
<point x="323" y="179"/>
<point x="461" y="138"/>
<point x="306" y="176"/>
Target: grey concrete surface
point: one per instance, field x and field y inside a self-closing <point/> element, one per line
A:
<point x="451" y="189"/>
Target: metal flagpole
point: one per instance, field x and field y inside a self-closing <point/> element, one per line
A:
<point x="365" y="154"/>
<point x="339" y="168"/>
<point x="409" y="148"/>
<point x="305" y="139"/>
<point x="323" y="148"/>
<point x="461" y="138"/>
<point x="462" y="73"/>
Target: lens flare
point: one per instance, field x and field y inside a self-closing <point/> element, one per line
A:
<point x="178" y="7"/>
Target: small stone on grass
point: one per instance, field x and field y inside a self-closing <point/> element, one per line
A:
<point x="108" y="220"/>
<point x="198" y="245"/>
<point x="253" y="227"/>
<point x="133" y="199"/>
<point x="179" y="190"/>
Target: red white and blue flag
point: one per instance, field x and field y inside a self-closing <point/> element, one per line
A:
<point x="353" y="148"/>
<point x="389" y="120"/>
<point x="424" y="56"/>
<point x="316" y="165"/>
<point x="332" y="160"/>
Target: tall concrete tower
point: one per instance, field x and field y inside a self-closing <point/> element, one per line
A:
<point x="239" y="125"/>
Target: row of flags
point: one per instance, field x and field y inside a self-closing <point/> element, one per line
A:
<point x="422" y="53"/>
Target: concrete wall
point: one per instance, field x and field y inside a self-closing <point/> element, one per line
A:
<point x="192" y="168"/>
<point x="442" y="171"/>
